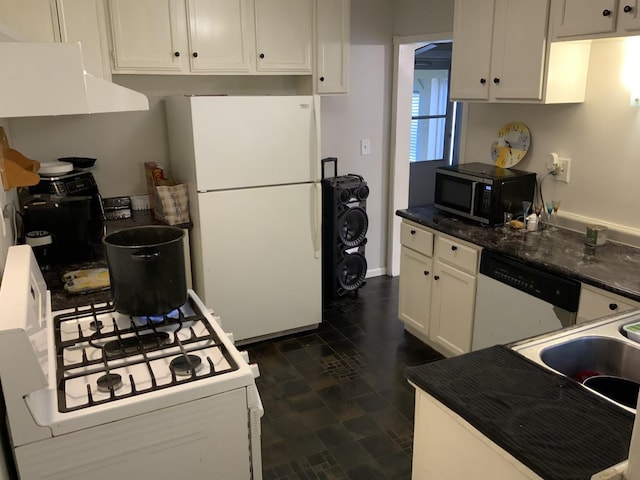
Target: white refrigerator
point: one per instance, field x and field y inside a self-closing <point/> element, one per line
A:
<point x="253" y="165"/>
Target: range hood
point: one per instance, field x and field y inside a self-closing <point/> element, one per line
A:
<point x="49" y="79"/>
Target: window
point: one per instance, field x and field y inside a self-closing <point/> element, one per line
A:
<point x="433" y="118"/>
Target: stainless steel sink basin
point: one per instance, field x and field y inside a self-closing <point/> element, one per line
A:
<point x="598" y="347"/>
<point x="604" y="355"/>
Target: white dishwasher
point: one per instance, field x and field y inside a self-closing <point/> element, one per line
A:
<point x="515" y="300"/>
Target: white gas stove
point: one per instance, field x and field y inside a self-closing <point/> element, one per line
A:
<point x="91" y="393"/>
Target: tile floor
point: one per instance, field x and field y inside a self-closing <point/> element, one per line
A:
<point x="337" y="405"/>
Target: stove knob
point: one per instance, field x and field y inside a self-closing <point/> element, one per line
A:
<point x="245" y="355"/>
<point x="229" y="336"/>
<point x="255" y="371"/>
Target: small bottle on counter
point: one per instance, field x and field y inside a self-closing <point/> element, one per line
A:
<point x="532" y="223"/>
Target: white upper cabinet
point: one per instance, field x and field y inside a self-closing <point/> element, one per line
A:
<point x="332" y="46"/>
<point x="583" y="19"/>
<point x="220" y="35"/>
<point x="211" y="36"/>
<point x="284" y="31"/>
<point x="471" y="54"/>
<point x="501" y="54"/>
<point x="32" y="20"/>
<point x="84" y="21"/>
<point x="148" y="36"/>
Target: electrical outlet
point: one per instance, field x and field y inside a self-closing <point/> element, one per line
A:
<point x="365" y="146"/>
<point x="564" y="165"/>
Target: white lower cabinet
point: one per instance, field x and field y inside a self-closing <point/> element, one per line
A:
<point x="453" y="301"/>
<point x="415" y="287"/>
<point x="597" y="303"/>
<point x="438" y="276"/>
<point x="447" y="447"/>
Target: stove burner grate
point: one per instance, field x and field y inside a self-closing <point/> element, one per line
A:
<point x="125" y="347"/>
<point x="138" y="344"/>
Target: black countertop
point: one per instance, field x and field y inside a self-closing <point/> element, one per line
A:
<point x="548" y="422"/>
<point x="61" y="300"/>
<point x="613" y="266"/>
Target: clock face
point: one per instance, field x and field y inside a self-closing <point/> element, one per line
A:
<point x="511" y="145"/>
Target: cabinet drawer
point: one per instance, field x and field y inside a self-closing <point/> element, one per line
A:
<point x="457" y="254"/>
<point x="416" y="238"/>
<point x="596" y="303"/>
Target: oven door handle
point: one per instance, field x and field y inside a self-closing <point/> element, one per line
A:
<point x="472" y="207"/>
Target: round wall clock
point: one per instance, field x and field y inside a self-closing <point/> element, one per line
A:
<point x="511" y="145"/>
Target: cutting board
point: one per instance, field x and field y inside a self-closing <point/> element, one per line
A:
<point x="86" y="280"/>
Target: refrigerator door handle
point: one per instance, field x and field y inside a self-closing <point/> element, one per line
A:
<point x="315" y="154"/>
<point x="317" y="238"/>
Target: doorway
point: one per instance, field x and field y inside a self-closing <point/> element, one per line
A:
<point x="434" y="120"/>
<point x="423" y="127"/>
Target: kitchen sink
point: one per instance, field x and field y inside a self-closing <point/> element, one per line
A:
<point x="596" y="348"/>
<point x="585" y="356"/>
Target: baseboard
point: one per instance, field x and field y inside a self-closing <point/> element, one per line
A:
<point x="617" y="233"/>
<point x="376" y="272"/>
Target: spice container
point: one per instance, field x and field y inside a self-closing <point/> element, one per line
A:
<point x="596" y="235"/>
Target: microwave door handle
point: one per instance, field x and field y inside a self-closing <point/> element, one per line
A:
<point x="472" y="207"/>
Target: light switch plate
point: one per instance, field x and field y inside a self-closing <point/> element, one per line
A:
<point x="365" y="146"/>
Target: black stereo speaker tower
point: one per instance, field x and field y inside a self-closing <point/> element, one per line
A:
<point x="344" y="228"/>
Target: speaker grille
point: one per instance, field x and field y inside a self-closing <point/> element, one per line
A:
<point x="352" y="270"/>
<point x="353" y="225"/>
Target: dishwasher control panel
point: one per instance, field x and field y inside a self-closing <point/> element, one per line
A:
<point x="555" y="289"/>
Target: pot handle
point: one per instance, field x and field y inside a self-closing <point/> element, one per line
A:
<point x="145" y="255"/>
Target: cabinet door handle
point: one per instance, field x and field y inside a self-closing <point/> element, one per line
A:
<point x="613" y="306"/>
<point x="483" y="81"/>
<point x="413" y="232"/>
<point x="453" y="248"/>
<point x="426" y="272"/>
<point x="322" y="79"/>
<point x="262" y="55"/>
<point x="606" y="13"/>
<point x="627" y="9"/>
<point x="177" y="54"/>
<point x="436" y="277"/>
<point x="496" y="80"/>
<point x="195" y="54"/>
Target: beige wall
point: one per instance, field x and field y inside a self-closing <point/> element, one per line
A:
<point x="365" y="113"/>
<point x="415" y="17"/>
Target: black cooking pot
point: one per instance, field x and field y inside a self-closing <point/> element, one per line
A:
<point x="146" y="269"/>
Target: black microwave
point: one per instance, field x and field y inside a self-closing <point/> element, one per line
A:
<point x="483" y="192"/>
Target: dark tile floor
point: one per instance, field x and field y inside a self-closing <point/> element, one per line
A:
<point x="337" y="405"/>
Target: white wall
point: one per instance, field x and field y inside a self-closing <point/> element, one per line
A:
<point x="416" y="17"/>
<point x="601" y="136"/>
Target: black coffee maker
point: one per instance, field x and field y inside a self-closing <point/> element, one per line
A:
<point x="68" y="221"/>
<point x="65" y="197"/>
